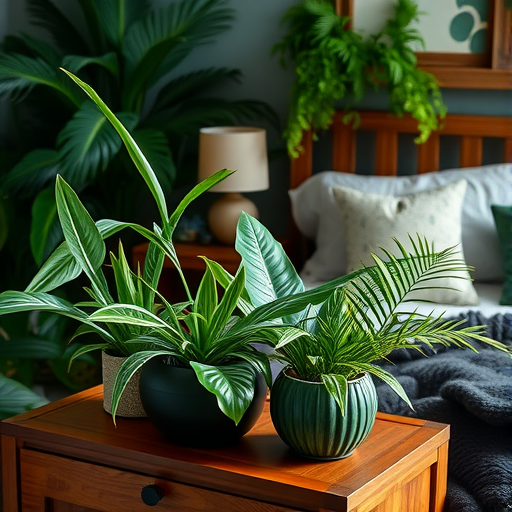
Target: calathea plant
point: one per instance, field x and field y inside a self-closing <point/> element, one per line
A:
<point x="337" y="66"/>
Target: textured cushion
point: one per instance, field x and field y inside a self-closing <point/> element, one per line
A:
<point x="503" y="219"/>
<point x="317" y="216"/>
<point x="370" y="221"/>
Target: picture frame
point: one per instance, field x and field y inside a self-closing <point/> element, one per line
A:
<point x="489" y="70"/>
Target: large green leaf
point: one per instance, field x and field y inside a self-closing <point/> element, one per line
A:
<point x="116" y="16"/>
<point x="127" y="292"/>
<point x="154" y="144"/>
<point x="153" y="265"/>
<point x="285" y="306"/>
<point x="270" y="273"/>
<point x="129" y="314"/>
<point x="233" y="385"/>
<point x="134" y="151"/>
<point x="45" y="232"/>
<point x="40" y="49"/>
<point x="109" y="61"/>
<point x="16" y="398"/>
<point x="46" y="15"/>
<point x="88" y="143"/>
<point x="19" y="74"/>
<point x="225" y="309"/>
<point x="156" y="44"/>
<point x="337" y="386"/>
<point x="30" y="347"/>
<point x="188" y="85"/>
<point x="126" y="372"/>
<point x="198" y="112"/>
<point x="17" y="302"/>
<point x="33" y="172"/>
<point x="201" y="187"/>
<point x="83" y="237"/>
<point x="205" y="304"/>
<point x="389" y="379"/>
<point x="223" y="277"/>
<point x="61" y="267"/>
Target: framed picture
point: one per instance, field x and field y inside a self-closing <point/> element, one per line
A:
<point x="468" y="43"/>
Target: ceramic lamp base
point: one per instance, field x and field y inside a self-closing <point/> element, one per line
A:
<point x="224" y="213"/>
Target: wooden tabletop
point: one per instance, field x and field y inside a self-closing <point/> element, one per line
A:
<point x="260" y="465"/>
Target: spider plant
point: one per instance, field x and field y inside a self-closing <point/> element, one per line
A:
<point x="362" y="321"/>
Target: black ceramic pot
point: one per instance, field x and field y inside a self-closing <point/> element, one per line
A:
<point x="186" y="413"/>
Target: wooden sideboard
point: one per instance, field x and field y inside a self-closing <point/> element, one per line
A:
<point x="68" y="457"/>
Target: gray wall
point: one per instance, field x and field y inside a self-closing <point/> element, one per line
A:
<point x="247" y="46"/>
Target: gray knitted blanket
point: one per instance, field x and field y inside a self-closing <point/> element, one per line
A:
<point x="473" y="393"/>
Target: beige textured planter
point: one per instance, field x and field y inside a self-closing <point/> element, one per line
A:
<point x="130" y="405"/>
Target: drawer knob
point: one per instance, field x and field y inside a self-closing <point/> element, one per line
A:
<point x="151" y="494"/>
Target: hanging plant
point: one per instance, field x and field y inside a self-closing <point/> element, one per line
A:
<point x="334" y="63"/>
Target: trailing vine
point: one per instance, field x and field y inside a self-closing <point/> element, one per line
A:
<point x="333" y="63"/>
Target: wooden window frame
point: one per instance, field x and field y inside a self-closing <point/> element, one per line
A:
<point x="492" y="70"/>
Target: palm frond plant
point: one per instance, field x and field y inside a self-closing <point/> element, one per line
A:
<point x="130" y="53"/>
<point x="358" y="325"/>
<point x="335" y="64"/>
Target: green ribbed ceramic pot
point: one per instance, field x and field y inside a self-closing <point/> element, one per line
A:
<point x="308" y="419"/>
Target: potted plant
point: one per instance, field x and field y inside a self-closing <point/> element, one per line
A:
<point x="84" y="250"/>
<point x="334" y="63"/>
<point x="138" y="322"/>
<point x="323" y="403"/>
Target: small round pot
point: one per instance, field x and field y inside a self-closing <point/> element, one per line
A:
<point x="188" y="414"/>
<point x="130" y="405"/>
<point x="308" y="419"/>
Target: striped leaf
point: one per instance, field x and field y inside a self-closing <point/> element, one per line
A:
<point x="233" y="385"/>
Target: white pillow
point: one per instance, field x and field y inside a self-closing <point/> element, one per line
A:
<point x="318" y="218"/>
<point x="370" y="222"/>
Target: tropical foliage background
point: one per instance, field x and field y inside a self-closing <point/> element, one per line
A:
<point x="130" y="52"/>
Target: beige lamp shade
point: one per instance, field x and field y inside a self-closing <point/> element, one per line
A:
<point x="244" y="150"/>
<point x="239" y="148"/>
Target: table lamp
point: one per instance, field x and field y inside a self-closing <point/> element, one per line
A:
<point x="239" y="148"/>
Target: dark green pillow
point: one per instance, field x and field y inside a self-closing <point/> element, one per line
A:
<point x="503" y="221"/>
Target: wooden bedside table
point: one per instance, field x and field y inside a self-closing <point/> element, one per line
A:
<point x="69" y="457"/>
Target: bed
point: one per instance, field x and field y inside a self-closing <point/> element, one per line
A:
<point x="472" y="392"/>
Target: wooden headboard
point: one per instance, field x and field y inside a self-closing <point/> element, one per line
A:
<point x="471" y="129"/>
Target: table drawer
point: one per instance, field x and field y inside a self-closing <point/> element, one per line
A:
<point x="50" y="482"/>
